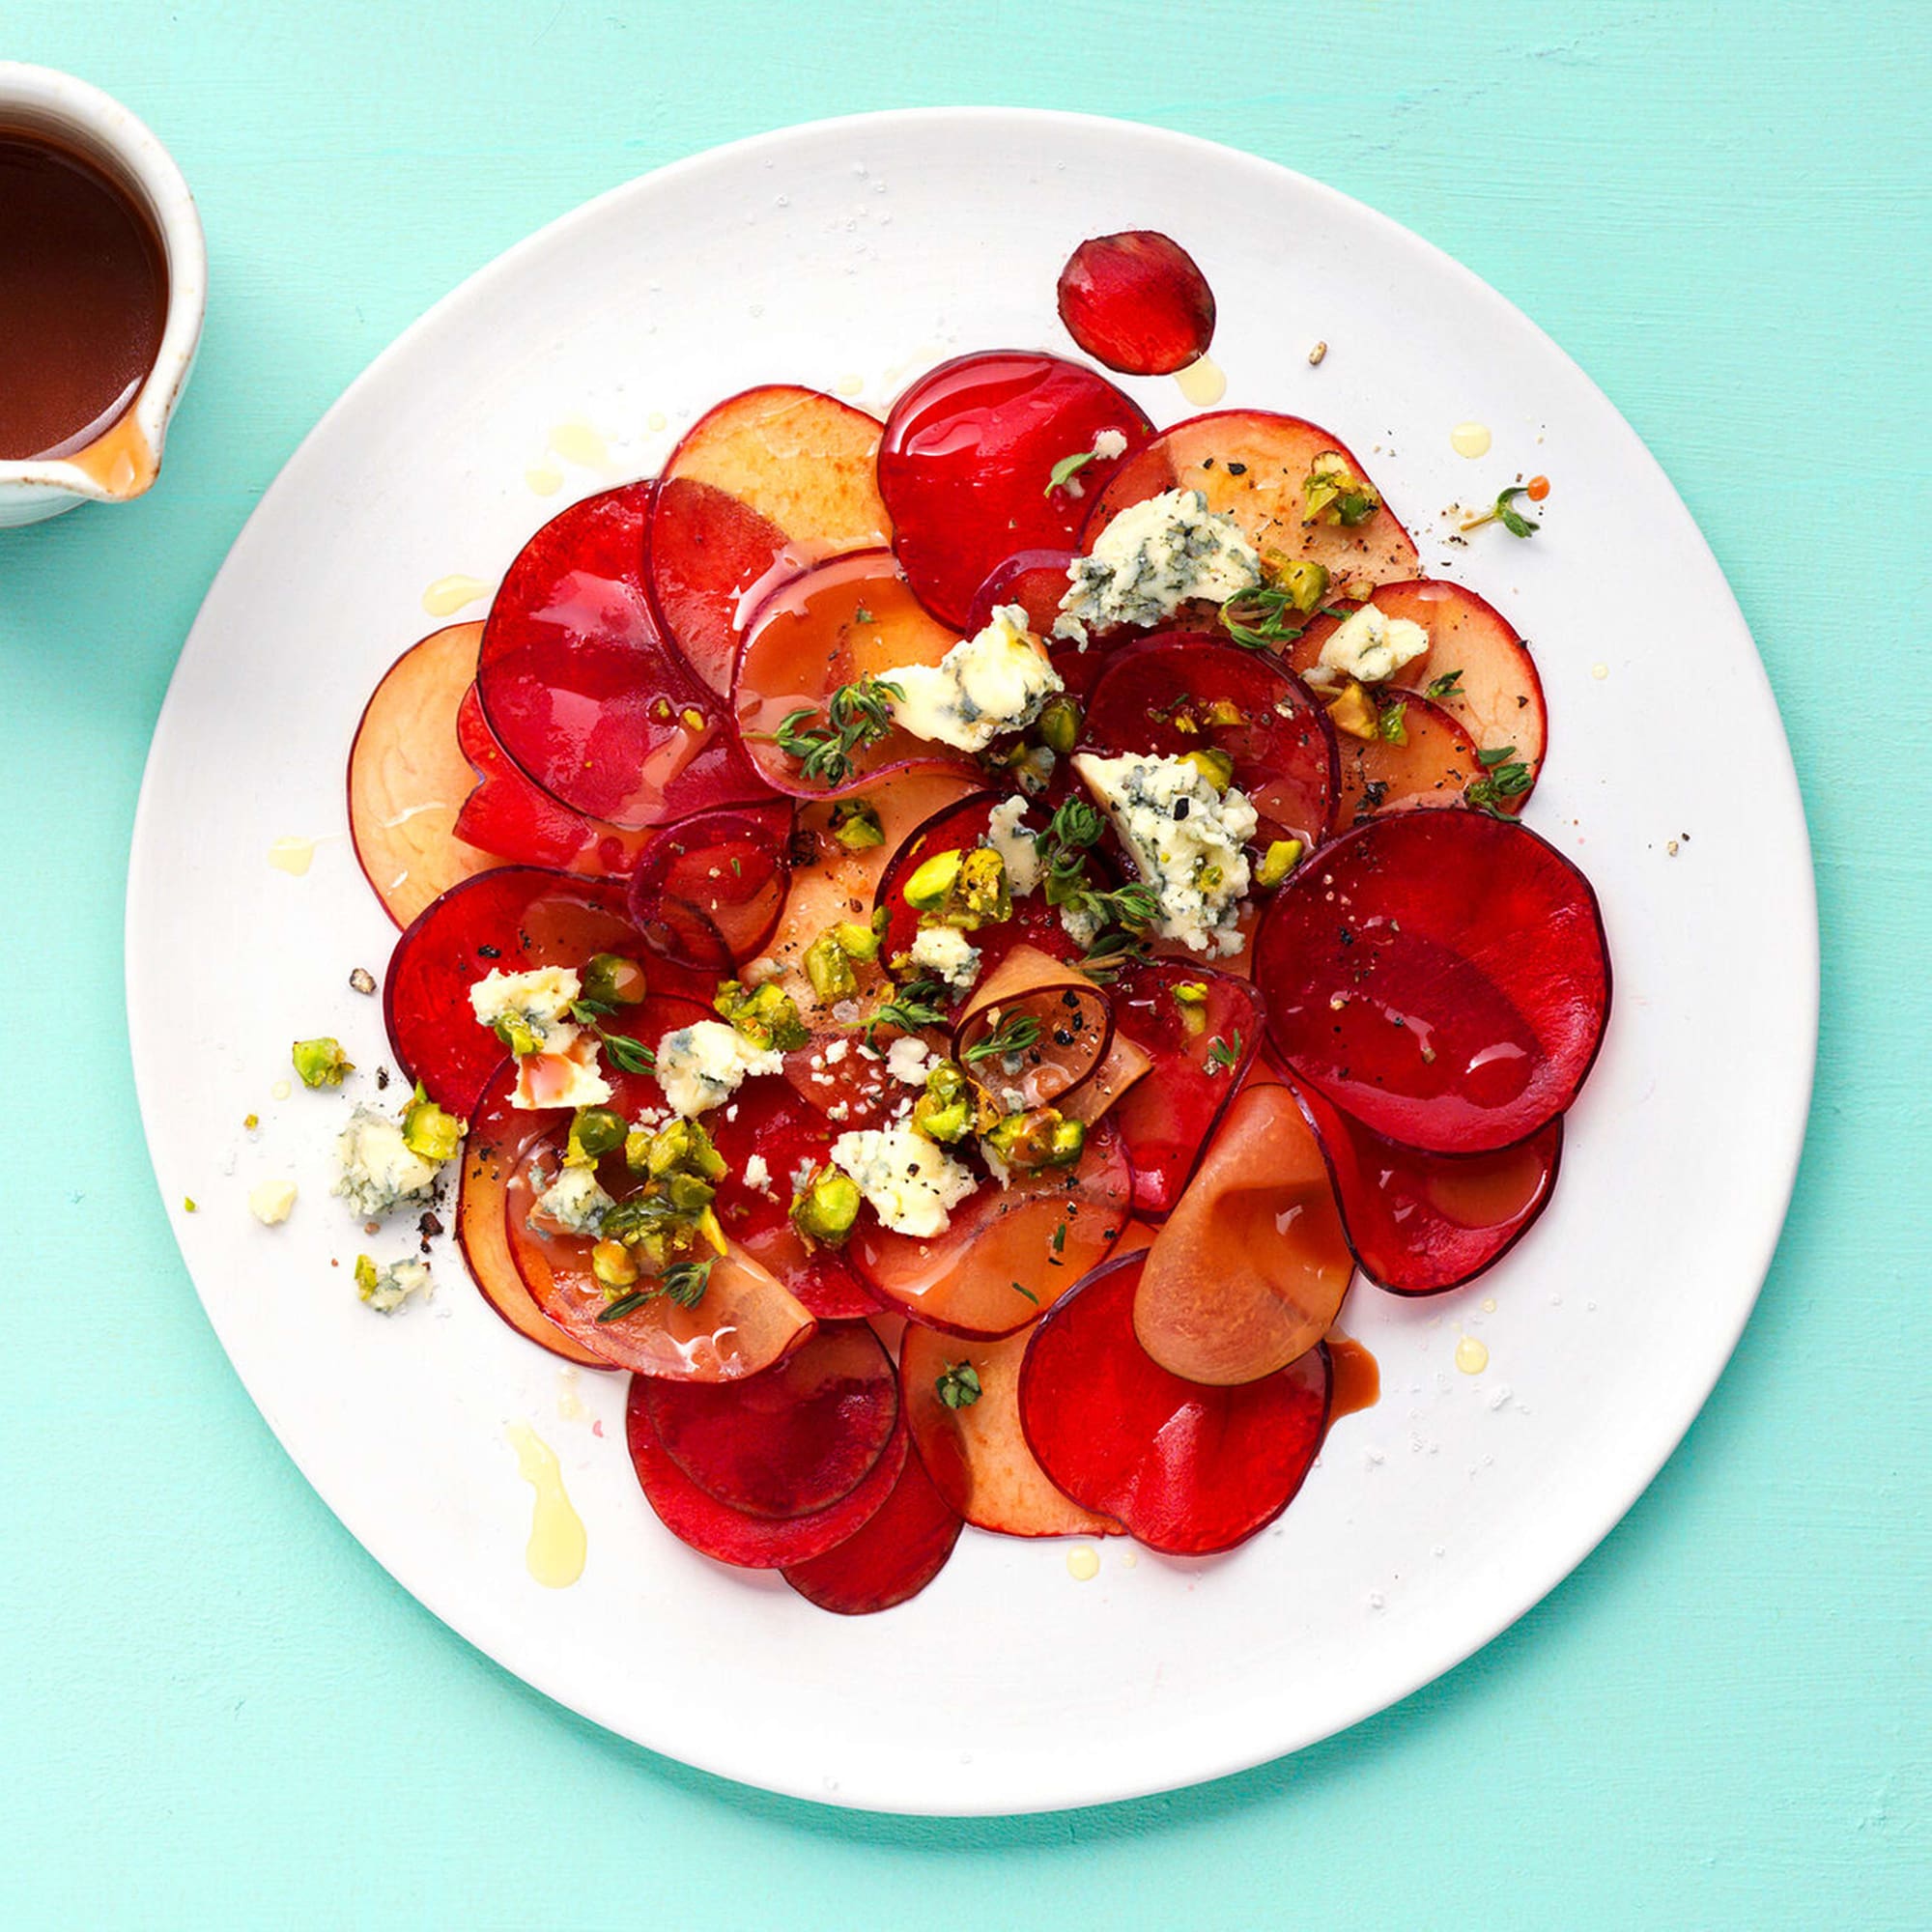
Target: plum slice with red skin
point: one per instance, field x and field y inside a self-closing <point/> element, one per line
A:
<point x="1421" y="1223"/>
<point x="1189" y="1468"/>
<point x="518" y="822"/>
<point x="583" y="690"/>
<point x="835" y="624"/>
<point x="1252" y="464"/>
<point x="1071" y="1016"/>
<point x="766" y="481"/>
<point x="1498" y="696"/>
<point x="773" y="1121"/>
<point x="1441" y="977"/>
<point x="1160" y="695"/>
<point x="708" y="890"/>
<point x="890" y="1558"/>
<point x="1009" y="1251"/>
<point x="1137" y="302"/>
<point x="967" y="462"/>
<point x="1430" y="766"/>
<point x="1037" y="580"/>
<point x="512" y="920"/>
<point x="793" y="1439"/>
<point x="499" y="1136"/>
<point x="1167" y="1118"/>
<point x="408" y="777"/>
<point x="976" y="1453"/>
<point x="734" y="1536"/>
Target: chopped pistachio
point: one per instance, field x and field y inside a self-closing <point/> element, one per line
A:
<point x="1039" y="1139"/>
<point x="827" y="1207"/>
<point x="767" y="1016"/>
<point x="945" y="1112"/>
<point x="1214" y="764"/>
<point x="1058" y="724"/>
<point x="321" y="1063"/>
<point x="1279" y="860"/>
<point x="429" y="1131"/>
<point x="1332" y="493"/>
<point x="855" y="941"/>
<point x="613" y="1264"/>
<point x="614" y="981"/>
<point x="1353" y="710"/>
<point x="517" y="1033"/>
<point x="682" y="1147"/>
<point x="855" y="826"/>
<point x="932" y="881"/>
<point x="1191" y="997"/>
<point x="1305" y="581"/>
<point x="361" y="981"/>
<point x="594" y="1131"/>
<point x="829" y="968"/>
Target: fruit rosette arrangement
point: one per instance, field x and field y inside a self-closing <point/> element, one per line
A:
<point x="961" y="937"/>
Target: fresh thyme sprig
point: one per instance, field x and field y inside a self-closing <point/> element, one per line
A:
<point x="1448" y="685"/>
<point x="958" y="1385"/>
<point x="916" y="1004"/>
<point x="1504" y="776"/>
<point x="857" y="715"/>
<point x="1500" y="512"/>
<point x="1013" y="1035"/>
<point x="1263" y="617"/>
<point x="625" y="1053"/>
<point x="684" y="1284"/>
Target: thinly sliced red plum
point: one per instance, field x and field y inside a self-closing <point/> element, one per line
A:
<point x="1167" y="1118"/>
<point x="1175" y="693"/>
<point x="770" y="474"/>
<point x="1249" y="1270"/>
<point x="583" y="690"/>
<point x="1009" y="1251"/>
<point x="408" y="779"/>
<point x="499" y="1136"/>
<point x="795" y="1437"/>
<point x="891" y="1558"/>
<point x="745" y="1320"/>
<point x="1137" y="302"/>
<point x="852" y="618"/>
<point x="1189" y="1470"/>
<point x="517" y="820"/>
<point x="1420" y="1223"/>
<point x="708" y="890"/>
<point x="1254" y="465"/>
<point x="512" y="920"/>
<point x="1072" y="1019"/>
<point x="1498" y="696"/>
<point x="966" y="466"/>
<point x="773" y="1123"/>
<point x="976" y="1453"/>
<point x="1441" y="977"/>
<point x="733" y="1536"/>
<point x="1431" y="765"/>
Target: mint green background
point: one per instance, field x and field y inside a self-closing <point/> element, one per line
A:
<point x="215" y="1710"/>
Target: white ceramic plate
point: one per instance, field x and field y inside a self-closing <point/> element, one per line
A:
<point x="855" y="253"/>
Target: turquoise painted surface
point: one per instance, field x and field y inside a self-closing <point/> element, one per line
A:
<point x="214" y="1711"/>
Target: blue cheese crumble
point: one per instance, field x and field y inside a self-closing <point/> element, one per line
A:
<point x="701" y="1067"/>
<point x="1186" y="839"/>
<point x="1009" y="835"/>
<point x="574" y="1201"/>
<point x="380" y="1172"/>
<point x="541" y="999"/>
<point x="1370" y="646"/>
<point x="386" y="1290"/>
<point x="994" y="681"/>
<point x="1153" y="558"/>
<point x="947" y="954"/>
<point x="912" y="1185"/>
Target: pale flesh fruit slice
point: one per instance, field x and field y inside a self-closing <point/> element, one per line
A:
<point x="1251" y="1268"/>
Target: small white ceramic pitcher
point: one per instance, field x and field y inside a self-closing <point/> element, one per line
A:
<point x="38" y="101"/>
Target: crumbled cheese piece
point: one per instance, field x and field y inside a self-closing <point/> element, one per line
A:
<point x="574" y="1201"/>
<point x="701" y="1066"/>
<point x="1110" y="444"/>
<point x="757" y="1174"/>
<point x="271" y="1201"/>
<point x="1153" y="558"/>
<point x="1370" y="646"/>
<point x="1185" y="839"/>
<point x="946" y="951"/>
<point x="908" y="1059"/>
<point x="837" y="1051"/>
<point x="389" y="1288"/>
<point x="1081" y="924"/>
<point x="992" y="682"/>
<point x="1008" y="833"/>
<point x="565" y="1075"/>
<point x="540" y="999"/>
<point x="912" y="1185"/>
<point x="379" y="1171"/>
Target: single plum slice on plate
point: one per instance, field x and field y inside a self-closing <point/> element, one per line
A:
<point x="968" y="460"/>
<point x="890" y="1558"/>
<point x="1009" y="1251"/>
<point x="830" y="629"/>
<point x="1420" y="1223"/>
<point x="769" y="481"/>
<point x="583" y="689"/>
<point x="1186" y="692"/>
<point x="792" y="1439"/>
<point x="1419" y="756"/>
<point x="966" y="1427"/>
<point x="1263" y="470"/>
<point x="408" y="777"/>
<point x="1249" y="1270"/>
<point x="1476" y="669"/>
<point x="708" y="890"/>
<point x="1187" y="1468"/>
<point x="1440" y="976"/>
<point x="1069" y="1019"/>
<point x="735" y="1536"/>
<point x="512" y="920"/>
<point x="1136" y="302"/>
